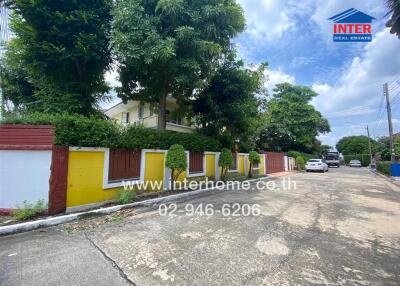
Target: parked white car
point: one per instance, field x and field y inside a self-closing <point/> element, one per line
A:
<point x="355" y="163"/>
<point x="316" y="165"/>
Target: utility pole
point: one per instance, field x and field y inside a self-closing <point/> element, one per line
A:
<point x="389" y="114"/>
<point x="370" y="149"/>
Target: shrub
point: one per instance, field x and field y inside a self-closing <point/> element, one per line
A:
<point x="176" y="161"/>
<point x="225" y="161"/>
<point x="383" y="167"/>
<point x="300" y="163"/>
<point x="77" y="130"/>
<point x="254" y="157"/>
<point x="306" y="156"/>
<point x="125" y="197"/>
<point x="29" y="210"/>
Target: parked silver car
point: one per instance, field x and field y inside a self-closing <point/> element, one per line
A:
<point x="355" y="163"/>
<point x="316" y="165"/>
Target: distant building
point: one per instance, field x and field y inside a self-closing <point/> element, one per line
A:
<point x="145" y="114"/>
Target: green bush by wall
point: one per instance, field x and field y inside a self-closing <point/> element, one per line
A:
<point x="363" y="158"/>
<point x="305" y="156"/>
<point x="300" y="163"/>
<point x="77" y="130"/>
<point x="383" y="167"/>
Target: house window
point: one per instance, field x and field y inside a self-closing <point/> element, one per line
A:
<point x="141" y="111"/>
<point x="125" y="117"/>
<point x="196" y="162"/>
<point x="124" y="164"/>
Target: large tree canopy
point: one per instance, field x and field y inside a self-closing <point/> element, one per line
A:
<point x="394" y="22"/>
<point x="230" y="104"/>
<point x="62" y="50"/>
<point x="170" y="47"/>
<point x="351" y="145"/>
<point x="291" y="122"/>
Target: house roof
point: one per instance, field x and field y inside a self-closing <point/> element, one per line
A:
<point x="352" y="16"/>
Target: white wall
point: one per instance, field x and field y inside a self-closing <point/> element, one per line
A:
<point x="24" y="175"/>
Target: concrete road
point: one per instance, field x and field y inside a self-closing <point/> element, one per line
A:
<point x="337" y="228"/>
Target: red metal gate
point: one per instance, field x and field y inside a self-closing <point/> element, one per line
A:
<point x="274" y="162"/>
<point x="196" y="162"/>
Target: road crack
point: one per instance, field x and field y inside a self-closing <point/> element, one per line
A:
<point x="108" y="258"/>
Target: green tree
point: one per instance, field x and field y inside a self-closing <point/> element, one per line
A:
<point x="225" y="162"/>
<point x="354" y="145"/>
<point x="64" y="50"/>
<point x="170" y="47"/>
<point x="394" y="22"/>
<point x="300" y="163"/>
<point x="15" y="87"/>
<point x="230" y="104"/>
<point x="254" y="157"/>
<point x="290" y="121"/>
<point x="176" y="161"/>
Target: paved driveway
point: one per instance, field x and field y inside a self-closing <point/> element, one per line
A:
<point x="337" y="228"/>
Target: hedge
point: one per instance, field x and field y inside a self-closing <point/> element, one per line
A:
<point x="77" y="130"/>
<point x="363" y="158"/>
<point x="305" y="156"/>
<point x="383" y="167"/>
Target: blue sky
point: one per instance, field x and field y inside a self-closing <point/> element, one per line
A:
<point x="295" y="38"/>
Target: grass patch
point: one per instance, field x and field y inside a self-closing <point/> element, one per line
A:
<point x="29" y="210"/>
<point x="125" y="197"/>
<point x="117" y="218"/>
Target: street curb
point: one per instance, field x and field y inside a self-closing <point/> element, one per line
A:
<point x="51" y="221"/>
<point x="390" y="179"/>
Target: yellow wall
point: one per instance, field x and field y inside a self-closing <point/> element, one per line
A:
<point x="85" y="179"/>
<point x="154" y="167"/>
<point x="210" y="165"/>
<point x="262" y="170"/>
<point x="241" y="164"/>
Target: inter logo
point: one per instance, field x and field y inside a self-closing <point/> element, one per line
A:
<point x="352" y="26"/>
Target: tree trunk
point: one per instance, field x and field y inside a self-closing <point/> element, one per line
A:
<point x="250" y="167"/>
<point x="162" y="105"/>
<point x="172" y="180"/>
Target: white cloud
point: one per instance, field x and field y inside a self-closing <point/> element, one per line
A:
<point x="275" y="77"/>
<point x="266" y="18"/>
<point x="356" y="96"/>
<point x="111" y="78"/>
<point x="360" y="84"/>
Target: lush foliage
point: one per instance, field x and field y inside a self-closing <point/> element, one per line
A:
<point x="57" y="60"/>
<point x="170" y="47"/>
<point x="125" y="197"/>
<point x="363" y="158"/>
<point x="305" y="156"/>
<point x="225" y="161"/>
<point x="142" y="138"/>
<point x="291" y="122"/>
<point x="76" y="130"/>
<point x="29" y="210"/>
<point x="300" y="163"/>
<point x="176" y="161"/>
<point x="254" y="158"/>
<point x="394" y="22"/>
<point x="354" y="145"/>
<point x="384" y="167"/>
<point x="230" y="104"/>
